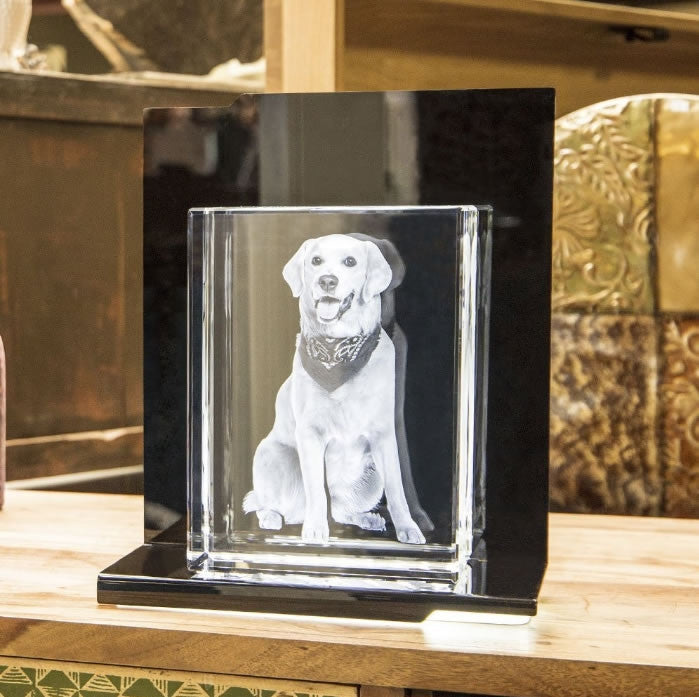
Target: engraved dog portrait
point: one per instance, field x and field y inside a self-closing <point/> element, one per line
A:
<point x="337" y="447"/>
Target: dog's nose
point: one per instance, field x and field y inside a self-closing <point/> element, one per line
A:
<point x="328" y="282"/>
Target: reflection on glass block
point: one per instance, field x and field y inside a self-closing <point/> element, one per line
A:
<point x="337" y="378"/>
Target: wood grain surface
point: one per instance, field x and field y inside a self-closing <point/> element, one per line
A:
<point x="618" y="611"/>
<point x="3" y="403"/>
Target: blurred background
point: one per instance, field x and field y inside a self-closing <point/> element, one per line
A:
<point x="76" y="75"/>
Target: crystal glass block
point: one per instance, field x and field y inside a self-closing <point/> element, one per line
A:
<point x="337" y="384"/>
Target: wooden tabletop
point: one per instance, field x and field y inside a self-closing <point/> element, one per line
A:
<point x="618" y="613"/>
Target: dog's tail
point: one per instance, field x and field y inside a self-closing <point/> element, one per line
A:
<point x="251" y="502"/>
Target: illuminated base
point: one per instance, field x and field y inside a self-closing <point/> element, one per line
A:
<point x="156" y="575"/>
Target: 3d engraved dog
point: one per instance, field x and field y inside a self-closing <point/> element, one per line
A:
<point x="334" y="420"/>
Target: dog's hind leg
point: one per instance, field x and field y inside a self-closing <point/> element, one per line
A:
<point x="267" y="518"/>
<point x="277" y="494"/>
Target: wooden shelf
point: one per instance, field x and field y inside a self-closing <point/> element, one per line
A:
<point x="598" y="12"/>
<point x="108" y="99"/>
<point x="618" y="614"/>
<point x="579" y="48"/>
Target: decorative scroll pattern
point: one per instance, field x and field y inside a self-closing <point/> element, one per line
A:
<point x="603" y="213"/>
<point x="26" y="678"/>
<point x="680" y="394"/>
<point x="603" y="415"/>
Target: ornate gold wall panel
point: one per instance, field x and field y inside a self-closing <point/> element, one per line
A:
<point x="603" y="212"/>
<point x="677" y="196"/>
<point x="604" y="455"/>
<point x="625" y="405"/>
<point x="680" y="395"/>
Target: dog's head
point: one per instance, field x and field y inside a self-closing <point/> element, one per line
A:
<point x="336" y="276"/>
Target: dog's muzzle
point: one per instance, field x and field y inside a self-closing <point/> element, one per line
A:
<point x="329" y="309"/>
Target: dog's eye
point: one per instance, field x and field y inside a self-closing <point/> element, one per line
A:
<point x="316" y="261"/>
<point x="350" y="261"/>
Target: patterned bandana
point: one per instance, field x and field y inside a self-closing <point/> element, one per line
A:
<point x="332" y="362"/>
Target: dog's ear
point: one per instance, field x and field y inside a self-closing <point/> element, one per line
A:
<point x="378" y="273"/>
<point x="388" y="249"/>
<point x="390" y="253"/>
<point x="293" y="270"/>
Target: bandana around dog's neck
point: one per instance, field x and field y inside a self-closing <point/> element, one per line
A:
<point x="332" y="362"/>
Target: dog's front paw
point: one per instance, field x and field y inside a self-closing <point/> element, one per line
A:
<point x="317" y="533"/>
<point x="269" y="520"/>
<point x="411" y="534"/>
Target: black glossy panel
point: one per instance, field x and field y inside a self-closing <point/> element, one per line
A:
<point x="489" y="147"/>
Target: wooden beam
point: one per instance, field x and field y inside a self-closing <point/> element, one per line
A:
<point x="304" y="43"/>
